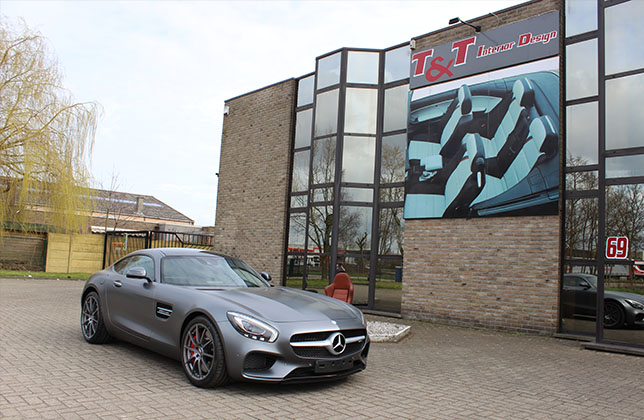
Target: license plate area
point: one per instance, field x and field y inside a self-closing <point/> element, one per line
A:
<point x="337" y="365"/>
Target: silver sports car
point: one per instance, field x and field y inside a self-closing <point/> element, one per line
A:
<point x="222" y="319"/>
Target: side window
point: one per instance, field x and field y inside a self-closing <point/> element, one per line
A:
<point x="120" y="266"/>
<point x="142" y="261"/>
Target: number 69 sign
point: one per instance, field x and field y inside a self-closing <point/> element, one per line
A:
<point x="617" y="247"/>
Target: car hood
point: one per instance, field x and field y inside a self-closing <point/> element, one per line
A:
<point x="624" y="295"/>
<point x="282" y="304"/>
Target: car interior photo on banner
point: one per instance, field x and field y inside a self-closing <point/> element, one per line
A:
<point x="485" y="145"/>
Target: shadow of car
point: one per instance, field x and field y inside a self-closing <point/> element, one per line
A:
<point x="579" y="300"/>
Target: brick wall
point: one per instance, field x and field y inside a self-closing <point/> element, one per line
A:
<point x="500" y="273"/>
<point x="253" y="177"/>
<point x="497" y="273"/>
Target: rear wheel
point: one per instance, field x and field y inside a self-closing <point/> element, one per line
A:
<point x="613" y="315"/>
<point x="202" y="354"/>
<point x="92" y="325"/>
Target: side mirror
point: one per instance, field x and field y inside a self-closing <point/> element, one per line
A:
<point x="138" y="273"/>
<point x="266" y="276"/>
<point x="585" y="285"/>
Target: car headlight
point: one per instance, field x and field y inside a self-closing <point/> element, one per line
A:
<point x="635" y="304"/>
<point x="252" y="328"/>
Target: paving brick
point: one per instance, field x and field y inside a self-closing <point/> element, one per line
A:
<point x="438" y="372"/>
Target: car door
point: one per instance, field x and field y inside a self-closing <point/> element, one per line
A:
<point x="131" y="301"/>
<point x="578" y="297"/>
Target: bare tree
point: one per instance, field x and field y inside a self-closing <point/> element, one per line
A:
<point x="45" y="137"/>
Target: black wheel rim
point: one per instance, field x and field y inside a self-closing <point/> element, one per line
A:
<point x="612" y="315"/>
<point x="198" y="351"/>
<point x="89" y="316"/>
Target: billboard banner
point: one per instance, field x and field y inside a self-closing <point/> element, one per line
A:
<point x="508" y="45"/>
<point x="483" y="138"/>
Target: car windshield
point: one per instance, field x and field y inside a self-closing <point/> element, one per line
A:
<point x="209" y="271"/>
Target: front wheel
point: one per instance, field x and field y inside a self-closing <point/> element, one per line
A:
<point x="92" y="325"/>
<point x="202" y="354"/>
<point x="613" y="315"/>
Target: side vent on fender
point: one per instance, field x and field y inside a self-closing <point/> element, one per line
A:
<point x="164" y="311"/>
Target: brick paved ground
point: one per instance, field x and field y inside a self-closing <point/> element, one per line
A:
<point x="439" y="372"/>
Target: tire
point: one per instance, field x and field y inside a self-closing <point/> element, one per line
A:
<point x="92" y="325"/>
<point x="613" y="314"/>
<point x="202" y="354"/>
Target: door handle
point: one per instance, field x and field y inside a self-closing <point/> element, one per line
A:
<point x="118" y="283"/>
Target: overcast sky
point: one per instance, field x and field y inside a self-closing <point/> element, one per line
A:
<point x="161" y="71"/>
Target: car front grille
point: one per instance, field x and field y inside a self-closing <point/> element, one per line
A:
<point x="317" y="345"/>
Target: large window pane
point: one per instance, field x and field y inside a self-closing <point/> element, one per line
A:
<point x="362" y="67"/>
<point x="397" y="64"/>
<point x="581" y="16"/>
<point x="623" y="300"/>
<point x="389" y="277"/>
<point x="396" y="108"/>
<point x="295" y="265"/>
<point x="300" y="181"/>
<point x="358" y="159"/>
<point x="579" y="300"/>
<point x="296" y="231"/>
<point x="624" y="34"/>
<point x="581" y="134"/>
<point x="320" y="228"/>
<point x="303" y="128"/>
<point x="361" y="111"/>
<point x="326" y="113"/>
<point x="392" y="164"/>
<point x="364" y="195"/>
<point x="305" y="89"/>
<point x="358" y="269"/>
<point x="625" y="215"/>
<point x="328" y="73"/>
<point x="323" y="161"/>
<point x="355" y="229"/>
<point x="625" y="166"/>
<point x="581" y="69"/>
<point x="390" y="231"/>
<point x="624" y="122"/>
<point x="581" y="228"/>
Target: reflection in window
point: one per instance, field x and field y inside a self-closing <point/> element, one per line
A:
<point x="579" y="299"/>
<point x="624" y="33"/>
<point x="354" y="233"/>
<point x="624" y="123"/>
<point x="323" y="161"/>
<point x="303" y="128"/>
<point x="295" y="270"/>
<point x="299" y="200"/>
<point x="581" y="16"/>
<point x="305" y="91"/>
<point x="390" y="231"/>
<point x="323" y="194"/>
<point x="328" y="71"/>
<point x="581" y="70"/>
<point x="625" y="215"/>
<point x="320" y="228"/>
<point x="392" y="195"/>
<point x="582" y="181"/>
<point x="364" y="195"/>
<point x="358" y="159"/>
<point x="581" y="134"/>
<point x="581" y="228"/>
<point x="397" y="64"/>
<point x="361" y="111"/>
<point x="392" y="165"/>
<point x="362" y="67"/>
<point x="326" y="113"/>
<point x="625" y="166"/>
<point x="300" y="181"/>
<point x="396" y="108"/>
<point x="623" y="303"/>
<point x="296" y="231"/>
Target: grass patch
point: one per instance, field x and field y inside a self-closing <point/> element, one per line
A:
<point x="43" y="275"/>
<point x="320" y="284"/>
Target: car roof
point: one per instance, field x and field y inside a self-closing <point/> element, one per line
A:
<point x="166" y="252"/>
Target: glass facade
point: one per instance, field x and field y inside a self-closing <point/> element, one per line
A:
<point x="602" y="292"/>
<point x="348" y="207"/>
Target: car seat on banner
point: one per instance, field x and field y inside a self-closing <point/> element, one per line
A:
<point x="464" y="184"/>
<point x="542" y="141"/>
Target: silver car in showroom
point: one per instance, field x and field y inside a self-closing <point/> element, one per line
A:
<point x="222" y="319"/>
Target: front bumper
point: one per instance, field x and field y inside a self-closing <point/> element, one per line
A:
<point x="291" y="359"/>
